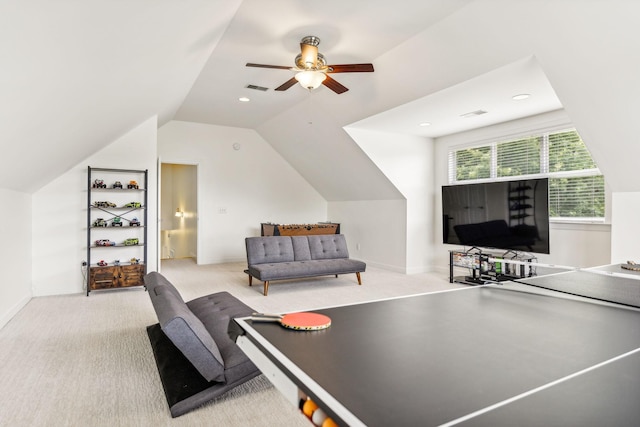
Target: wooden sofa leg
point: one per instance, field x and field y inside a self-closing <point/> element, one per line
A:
<point x="358" y="276"/>
<point x="250" y="280"/>
<point x="266" y="288"/>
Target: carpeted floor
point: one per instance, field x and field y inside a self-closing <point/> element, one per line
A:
<point x="74" y="360"/>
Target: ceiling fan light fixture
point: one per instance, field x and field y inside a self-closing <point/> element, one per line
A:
<point x="308" y="56"/>
<point x="311" y="68"/>
<point x="310" y="79"/>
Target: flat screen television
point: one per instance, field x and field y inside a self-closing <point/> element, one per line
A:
<point x="510" y="215"/>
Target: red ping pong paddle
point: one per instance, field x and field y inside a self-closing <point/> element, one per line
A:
<point x="302" y="321"/>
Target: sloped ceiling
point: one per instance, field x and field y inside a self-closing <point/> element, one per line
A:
<point x="74" y="76"/>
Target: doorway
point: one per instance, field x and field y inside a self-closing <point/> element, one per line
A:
<point x="178" y="211"/>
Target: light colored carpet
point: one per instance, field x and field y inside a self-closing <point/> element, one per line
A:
<point x="77" y="361"/>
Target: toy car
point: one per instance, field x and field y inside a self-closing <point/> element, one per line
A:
<point x="116" y="222"/>
<point x="134" y="261"/>
<point x="117" y="184"/>
<point x="133" y="205"/>
<point x="134" y="222"/>
<point x="131" y="241"/>
<point x="116" y="262"/>
<point x="102" y="263"/>
<point x="132" y="184"/>
<point x="99" y="222"/>
<point x="104" y="205"/>
<point x="98" y="183"/>
<point x="105" y="242"/>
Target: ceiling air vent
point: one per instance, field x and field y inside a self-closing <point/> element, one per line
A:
<point x="474" y="113"/>
<point x="260" y="88"/>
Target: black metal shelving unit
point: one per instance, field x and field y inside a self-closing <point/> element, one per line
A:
<point x="117" y="217"/>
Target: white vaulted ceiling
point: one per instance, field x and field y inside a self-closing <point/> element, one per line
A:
<point x="74" y="76"/>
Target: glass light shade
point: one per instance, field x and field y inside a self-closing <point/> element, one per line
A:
<point x="310" y="79"/>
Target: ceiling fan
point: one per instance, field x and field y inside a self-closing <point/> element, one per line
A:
<point x="312" y="69"/>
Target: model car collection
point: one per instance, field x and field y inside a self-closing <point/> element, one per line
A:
<point x="99" y="222"/>
<point x="104" y="204"/>
<point x="132" y="185"/>
<point x="116" y="220"/>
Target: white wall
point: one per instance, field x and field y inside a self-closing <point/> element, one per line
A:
<point x="15" y="234"/>
<point x="625" y="232"/>
<point x="407" y="161"/>
<point x="572" y="244"/>
<point x="375" y="231"/>
<point x="60" y="212"/>
<point x="237" y="189"/>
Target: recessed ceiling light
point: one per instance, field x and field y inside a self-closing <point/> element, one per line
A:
<point x="423" y="124"/>
<point x="473" y="113"/>
<point x="243" y="99"/>
<point x="520" y="96"/>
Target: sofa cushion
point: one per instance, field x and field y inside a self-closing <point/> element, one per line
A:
<point x="328" y="246"/>
<point x="294" y="270"/>
<point x="156" y="280"/>
<point x="301" y="251"/>
<point x="269" y="249"/>
<point x="184" y="328"/>
<point x="216" y="311"/>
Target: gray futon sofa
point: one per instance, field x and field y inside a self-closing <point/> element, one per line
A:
<point x="194" y="345"/>
<point x="293" y="257"/>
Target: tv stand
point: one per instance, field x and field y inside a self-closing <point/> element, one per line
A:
<point x="490" y="266"/>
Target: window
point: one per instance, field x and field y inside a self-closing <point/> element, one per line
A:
<point x="576" y="186"/>
<point x="473" y="163"/>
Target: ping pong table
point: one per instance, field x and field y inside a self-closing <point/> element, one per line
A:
<point x="526" y="353"/>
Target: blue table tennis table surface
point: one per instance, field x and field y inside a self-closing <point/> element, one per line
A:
<point x="496" y="355"/>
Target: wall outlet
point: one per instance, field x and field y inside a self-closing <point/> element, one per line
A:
<point x="357" y="246"/>
<point x="222" y="210"/>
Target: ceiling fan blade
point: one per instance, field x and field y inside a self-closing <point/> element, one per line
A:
<point x="334" y="85"/>
<point x="286" y="85"/>
<point x="351" y="68"/>
<point x="279" y="67"/>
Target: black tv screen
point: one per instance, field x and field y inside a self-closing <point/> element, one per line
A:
<point x="509" y="215"/>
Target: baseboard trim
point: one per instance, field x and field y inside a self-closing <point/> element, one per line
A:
<point x="393" y="268"/>
<point x="6" y="317"/>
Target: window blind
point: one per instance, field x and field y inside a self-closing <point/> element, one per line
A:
<point x="579" y="197"/>
<point x="567" y="152"/>
<point x="520" y="157"/>
<point x="473" y="163"/>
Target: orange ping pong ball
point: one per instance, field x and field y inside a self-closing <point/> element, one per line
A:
<point x="329" y="423"/>
<point x="308" y="407"/>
